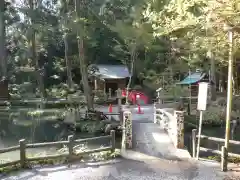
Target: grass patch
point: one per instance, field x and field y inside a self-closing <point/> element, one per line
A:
<point x="230" y="159"/>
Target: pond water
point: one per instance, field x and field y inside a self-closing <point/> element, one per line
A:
<point x="38" y="131"/>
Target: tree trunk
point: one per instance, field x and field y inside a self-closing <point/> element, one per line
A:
<point x="235" y="77"/>
<point x="68" y="63"/>
<point x="221" y="80"/>
<point x="65" y="38"/>
<point x="133" y="57"/>
<point x="34" y="55"/>
<point x="224" y="78"/>
<point x="212" y="76"/>
<point x="3" y="62"/>
<point x="84" y="72"/>
<point x="83" y="67"/>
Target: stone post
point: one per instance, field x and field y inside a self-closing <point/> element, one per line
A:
<point x="179" y="139"/>
<point x="127" y="130"/>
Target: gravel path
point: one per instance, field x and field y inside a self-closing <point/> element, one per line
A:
<point x="122" y="169"/>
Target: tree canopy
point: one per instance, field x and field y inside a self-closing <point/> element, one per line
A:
<point x="40" y="39"/>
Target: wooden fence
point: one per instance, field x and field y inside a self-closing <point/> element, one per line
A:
<point x="22" y="147"/>
<point x="224" y="154"/>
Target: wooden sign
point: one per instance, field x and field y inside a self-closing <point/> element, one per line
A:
<point x="202" y="96"/>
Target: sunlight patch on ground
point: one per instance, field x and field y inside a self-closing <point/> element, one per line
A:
<point x="160" y="138"/>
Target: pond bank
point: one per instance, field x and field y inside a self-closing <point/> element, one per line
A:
<point x="212" y="130"/>
<point x="40" y="129"/>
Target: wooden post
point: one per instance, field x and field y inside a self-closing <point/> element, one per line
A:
<point x="189" y="108"/>
<point x="154" y="115"/>
<point x="109" y="93"/>
<point x="194" y="137"/>
<point x="70" y="146"/>
<point x="113" y="141"/>
<point x="121" y="116"/>
<point x="104" y="89"/>
<point x="229" y="95"/>
<point x="224" y="159"/>
<point x="22" y="144"/>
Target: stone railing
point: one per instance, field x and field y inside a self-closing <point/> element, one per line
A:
<point x="126" y="129"/>
<point x="173" y="122"/>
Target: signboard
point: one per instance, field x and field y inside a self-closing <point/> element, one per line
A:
<point x="202" y="96"/>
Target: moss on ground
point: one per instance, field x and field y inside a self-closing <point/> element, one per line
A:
<point x="230" y="159"/>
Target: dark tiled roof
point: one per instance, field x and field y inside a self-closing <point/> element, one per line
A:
<point x="112" y="71"/>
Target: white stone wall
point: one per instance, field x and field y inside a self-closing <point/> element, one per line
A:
<point x="173" y="123"/>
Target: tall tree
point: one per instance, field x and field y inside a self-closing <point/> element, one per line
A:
<point x="3" y="62"/>
<point x="80" y="9"/>
<point x="65" y="18"/>
<point x="39" y="71"/>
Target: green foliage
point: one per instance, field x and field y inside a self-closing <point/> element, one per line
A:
<point x="105" y="155"/>
<point x="100" y="96"/>
<point x="175" y="91"/>
<point x="160" y="37"/>
<point x="91" y="126"/>
<point x="62" y="90"/>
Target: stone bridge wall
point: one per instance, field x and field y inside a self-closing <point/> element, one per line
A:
<point x="172" y="121"/>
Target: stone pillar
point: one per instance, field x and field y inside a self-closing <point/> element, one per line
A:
<point x="127" y="130"/>
<point x="179" y="138"/>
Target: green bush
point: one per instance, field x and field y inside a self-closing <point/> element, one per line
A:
<point x="213" y="115"/>
<point x="99" y="95"/>
<point x="175" y="91"/>
<point x="91" y="126"/>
